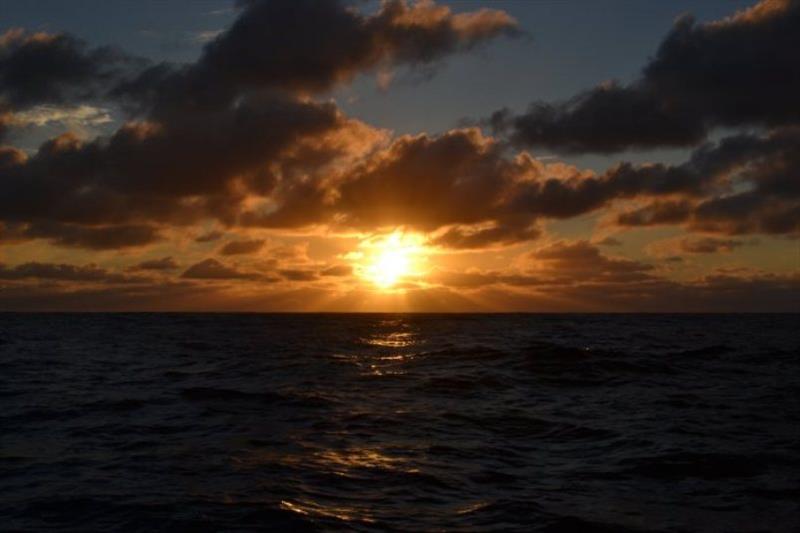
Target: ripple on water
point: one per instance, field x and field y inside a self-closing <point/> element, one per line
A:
<point x="393" y="422"/>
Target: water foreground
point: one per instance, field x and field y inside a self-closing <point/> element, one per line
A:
<point x="142" y="422"/>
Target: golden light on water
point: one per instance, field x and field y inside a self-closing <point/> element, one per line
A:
<point x="388" y="261"/>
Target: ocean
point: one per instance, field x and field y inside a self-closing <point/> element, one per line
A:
<point x="295" y="422"/>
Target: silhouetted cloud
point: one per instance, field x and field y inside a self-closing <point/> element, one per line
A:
<point x="165" y="263"/>
<point x="209" y="236"/>
<point x="249" y="246"/>
<point x="608" y="241"/>
<point x="337" y="270"/>
<point x="63" y="272"/>
<point x="709" y="245"/>
<point x="324" y="42"/>
<point x="740" y="71"/>
<point x="463" y="184"/>
<point x="208" y="135"/>
<point x="103" y="237"/>
<point x="575" y="276"/>
<point x="298" y="275"/>
<point x="43" y="68"/>
<point x="580" y="261"/>
<point x="211" y="269"/>
<point x="751" y="183"/>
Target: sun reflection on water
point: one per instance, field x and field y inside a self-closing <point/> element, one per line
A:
<point x="354" y="464"/>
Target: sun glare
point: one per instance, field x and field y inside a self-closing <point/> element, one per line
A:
<point x="390" y="260"/>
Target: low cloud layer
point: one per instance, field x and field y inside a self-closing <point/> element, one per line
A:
<point x="560" y="276"/>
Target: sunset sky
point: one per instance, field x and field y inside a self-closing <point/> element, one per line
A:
<point x="315" y="155"/>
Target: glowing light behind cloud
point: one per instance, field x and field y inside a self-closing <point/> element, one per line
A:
<point x="389" y="261"/>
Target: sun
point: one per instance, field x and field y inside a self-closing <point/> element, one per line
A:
<point x="390" y="260"/>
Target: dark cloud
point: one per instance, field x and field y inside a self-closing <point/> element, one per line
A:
<point x="465" y="188"/>
<point x="562" y="263"/>
<point x="6" y="121"/>
<point x="208" y="135"/>
<point x="89" y="237"/>
<point x="311" y="45"/>
<point x="575" y="276"/>
<point x="709" y="245"/>
<point x="298" y="275"/>
<point x="42" y="68"/>
<point x="580" y="262"/>
<point x="609" y="241"/>
<point x="337" y="271"/>
<point x="676" y="248"/>
<point x="211" y="269"/>
<point x="609" y="118"/>
<point x="209" y="236"/>
<point x="308" y="46"/>
<point x="740" y="71"/>
<point x="751" y="187"/>
<point x="472" y="279"/>
<point x="249" y="246"/>
<point x="63" y="272"/>
<point x="178" y="173"/>
<point x="177" y="296"/>
<point x="461" y="185"/>
<point x="656" y="213"/>
<point x="509" y="230"/>
<point x="718" y="292"/>
<point x="165" y="263"/>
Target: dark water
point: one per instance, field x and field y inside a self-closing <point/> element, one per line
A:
<point x="399" y="422"/>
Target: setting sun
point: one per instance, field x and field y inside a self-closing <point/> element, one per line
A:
<point x="389" y="260"/>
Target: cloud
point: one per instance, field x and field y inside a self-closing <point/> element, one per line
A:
<point x="242" y="247"/>
<point x="209" y="236"/>
<point x="310" y="46"/>
<point x="459" y="178"/>
<point x="166" y="263"/>
<point x="43" y="68"/>
<point x="62" y="272"/>
<point x="717" y="292"/>
<point x="298" y="275"/>
<point x="205" y="36"/>
<point x="673" y="248"/>
<point x="740" y="71"/>
<point x="751" y="187"/>
<point x="575" y="276"/>
<point x="211" y="269"/>
<point x="178" y="173"/>
<point x="561" y="263"/>
<point x="205" y="138"/>
<point x="82" y="115"/>
<point x="464" y="188"/>
<point x="337" y="270"/>
<point x="580" y="261"/>
<point x="89" y="237"/>
<point x="709" y="245"/>
<point x="608" y="241"/>
<point x="326" y="42"/>
<point x="657" y="212"/>
<point x="509" y="230"/>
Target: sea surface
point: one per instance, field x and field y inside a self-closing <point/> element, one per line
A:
<point x="270" y="422"/>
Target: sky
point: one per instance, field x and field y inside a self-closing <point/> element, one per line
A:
<point x="322" y="155"/>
